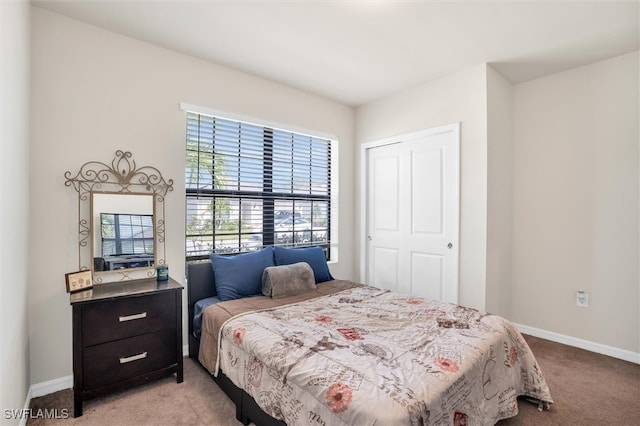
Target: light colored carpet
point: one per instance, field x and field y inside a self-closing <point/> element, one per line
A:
<point x="588" y="389"/>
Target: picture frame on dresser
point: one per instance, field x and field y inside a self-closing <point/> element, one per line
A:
<point x="78" y="281"/>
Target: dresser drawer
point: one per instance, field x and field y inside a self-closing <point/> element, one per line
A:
<point x="116" y="319"/>
<point x="116" y="361"/>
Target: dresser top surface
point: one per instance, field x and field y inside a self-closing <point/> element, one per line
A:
<point x="123" y="289"/>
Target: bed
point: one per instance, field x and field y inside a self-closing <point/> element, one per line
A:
<point x="338" y="352"/>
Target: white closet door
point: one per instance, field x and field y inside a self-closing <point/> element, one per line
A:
<point x="412" y="209"/>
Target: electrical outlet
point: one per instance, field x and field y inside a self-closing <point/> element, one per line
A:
<point x="582" y="299"/>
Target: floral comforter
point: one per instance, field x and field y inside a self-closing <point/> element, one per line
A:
<point x="368" y="356"/>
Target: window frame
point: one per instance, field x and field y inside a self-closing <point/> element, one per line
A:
<point x="268" y="197"/>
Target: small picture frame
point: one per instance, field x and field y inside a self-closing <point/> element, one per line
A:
<point x="78" y="281"/>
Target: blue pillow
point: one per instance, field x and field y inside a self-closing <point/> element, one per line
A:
<point x="314" y="256"/>
<point x="240" y="275"/>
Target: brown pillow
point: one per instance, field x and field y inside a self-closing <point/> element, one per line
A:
<point x="287" y="280"/>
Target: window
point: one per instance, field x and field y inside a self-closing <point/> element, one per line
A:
<point x="249" y="186"/>
<point x="126" y="234"/>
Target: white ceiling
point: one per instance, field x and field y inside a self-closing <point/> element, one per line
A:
<point x="358" y="51"/>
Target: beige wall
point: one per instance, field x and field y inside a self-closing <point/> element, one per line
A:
<point x="549" y="192"/>
<point x="575" y="202"/>
<point x="14" y="226"/>
<point x="499" y="193"/>
<point x="460" y="98"/>
<point x="95" y="92"/>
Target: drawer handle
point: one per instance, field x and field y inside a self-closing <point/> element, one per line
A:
<point x="133" y="317"/>
<point x="133" y="358"/>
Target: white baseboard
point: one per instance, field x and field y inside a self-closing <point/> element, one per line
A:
<point x="27" y="403"/>
<point x="51" y="386"/>
<point x="42" y="389"/>
<point x="581" y="343"/>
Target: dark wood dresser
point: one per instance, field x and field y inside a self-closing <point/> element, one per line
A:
<point x="125" y="334"/>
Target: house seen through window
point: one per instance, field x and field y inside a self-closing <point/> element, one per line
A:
<point x="250" y="186"/>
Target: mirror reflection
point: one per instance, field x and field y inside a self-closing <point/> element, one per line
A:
<point x="123" y="232"/>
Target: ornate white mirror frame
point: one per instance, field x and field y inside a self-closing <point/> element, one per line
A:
<point x="125" y="178"/>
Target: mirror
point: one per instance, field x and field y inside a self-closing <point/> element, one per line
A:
<point x="123" y="236"/>
<point x="121" y="218"/>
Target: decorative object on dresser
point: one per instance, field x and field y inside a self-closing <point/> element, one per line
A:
<point x="78" y="281"/>
<point x="125" y="334"/>
<point x="162" y="273"/>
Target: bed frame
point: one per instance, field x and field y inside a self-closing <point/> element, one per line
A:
<point x="200" y="286"/>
